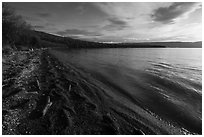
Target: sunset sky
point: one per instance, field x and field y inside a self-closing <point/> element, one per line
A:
<point x="116" y="22"/>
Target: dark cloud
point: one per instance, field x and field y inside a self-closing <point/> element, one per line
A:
<point x="115" y="24"/>
<point x="44" y="14"/>
<point x="116" y="21"/>
<point x="78" y="32"/>
<point x="168" y="14"/>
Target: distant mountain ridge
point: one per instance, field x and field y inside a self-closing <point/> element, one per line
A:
<point x="50" y="40"/>
<point x="197" y="44"/>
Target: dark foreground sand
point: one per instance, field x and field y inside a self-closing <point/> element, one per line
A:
<point x="42" y="96"/>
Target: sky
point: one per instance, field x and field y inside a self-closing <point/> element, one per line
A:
<point x="116" y="21"/>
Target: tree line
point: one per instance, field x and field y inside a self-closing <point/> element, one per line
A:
<point x="16" y="32"/>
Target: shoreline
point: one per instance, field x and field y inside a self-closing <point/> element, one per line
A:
<point x="42" y="96"/>
<point x="41" y="100"/>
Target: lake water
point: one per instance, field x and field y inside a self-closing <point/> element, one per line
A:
<point x="166" y="82"/>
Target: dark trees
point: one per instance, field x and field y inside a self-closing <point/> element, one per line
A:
<point x="15" y="31"/>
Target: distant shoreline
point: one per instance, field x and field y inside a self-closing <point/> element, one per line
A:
<point x="50" y="40"/>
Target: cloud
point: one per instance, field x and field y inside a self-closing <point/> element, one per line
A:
<point x="174" y="11"/>
<point x="129" y="10"/>
<point x="80" y="9"/>
<point x="44" y="14"/>
<point x="115" y="24"/>
<point x="78" y="32"/>
<point x="116" y="21"/>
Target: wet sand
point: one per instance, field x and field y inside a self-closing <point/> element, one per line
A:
<point x="41" y="96"/>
